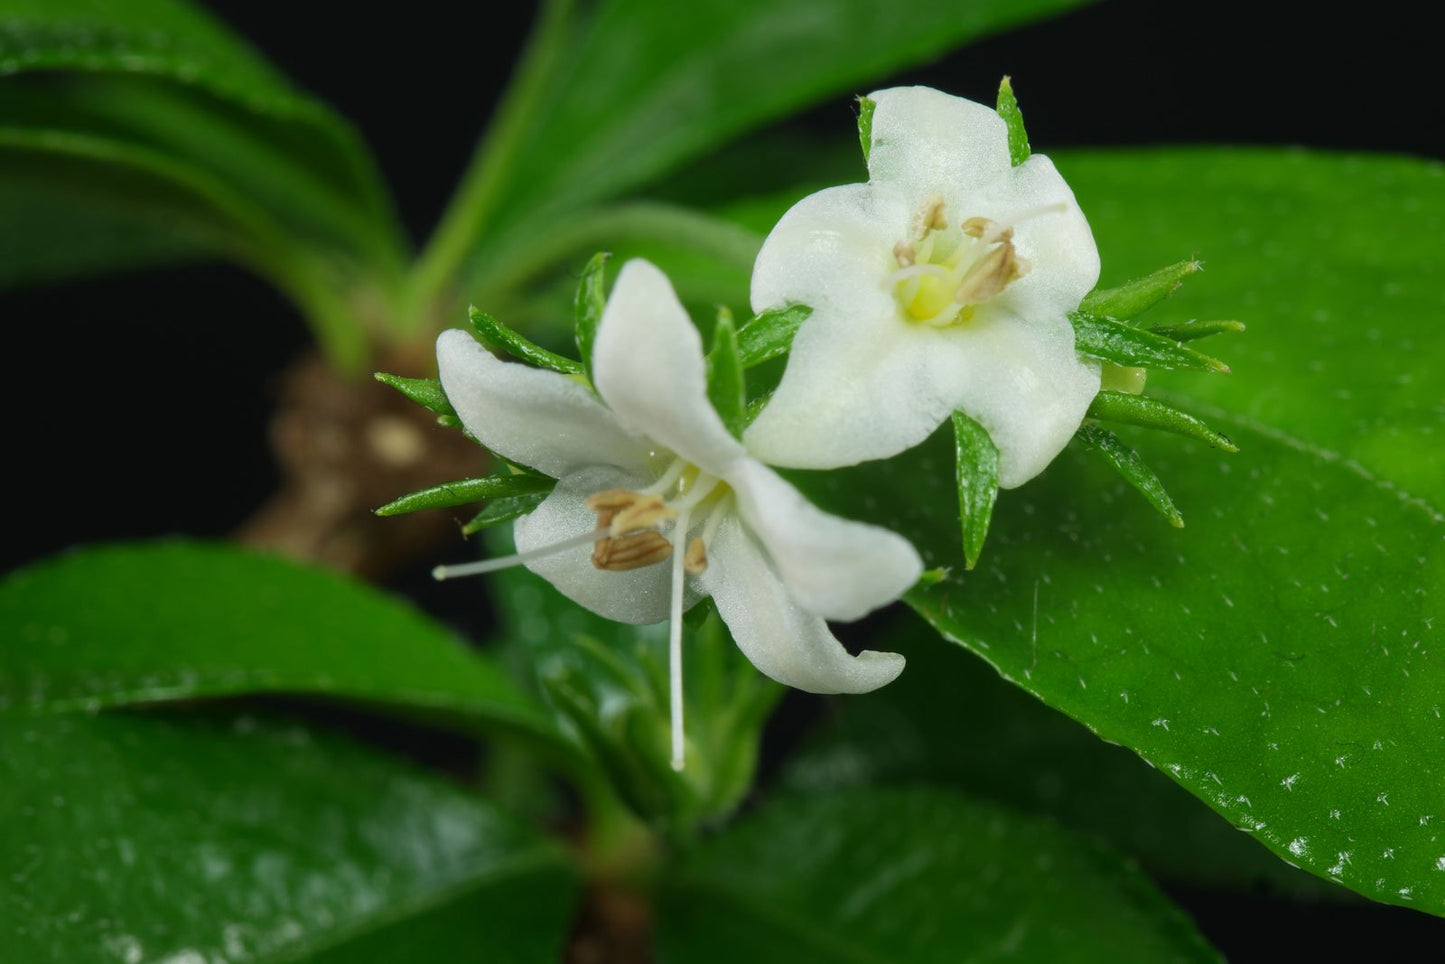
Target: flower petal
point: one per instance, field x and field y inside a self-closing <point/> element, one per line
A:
<point x="833" y="567"/>
<point x="832" y="250"/>
<point x="1060" y="248"/>
<point x="537" y="418"/>
<point x="782" y="640"/>
<point x="648" y="365"/>
<point x="928" y="143"/>
<point x="638" y="596"/>
<point x="845" y="400"/>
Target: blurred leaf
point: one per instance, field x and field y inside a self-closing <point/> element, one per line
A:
<point x="128" y="838"/>
<point x="183" y="621"/>
<point x="1019" y="753"/>
<point x="160" y="79"/>
<point x="628" y="89"/>
<point x="916" y="875"/>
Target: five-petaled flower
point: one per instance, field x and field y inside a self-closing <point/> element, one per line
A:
<point x="648" y="474"/>
<point x="941" y="285"/>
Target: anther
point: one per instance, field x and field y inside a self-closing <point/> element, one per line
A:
<point x="986" y="230"/>
<point x="632" y="551"/>
<point x="695" y="559"/>
<point x="646" y="512"/>
<point x="904" y="254"/>
<point x="991" y="274"/>
<point x="929" y="217"/>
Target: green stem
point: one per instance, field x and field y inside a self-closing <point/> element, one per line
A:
<point x="481" y="184"/>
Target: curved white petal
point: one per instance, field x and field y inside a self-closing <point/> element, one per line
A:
<point x="1021" y="380"/>
<point x="928" y="143"/>
<point x="1060" y="248"/>
<point x="832" y="250"/>
<point x="537" y="418"/>
<point x="857" y="387"/>
<point x="782" y="640"/>
<point x="639" y="596"/>
<point x="833" y="567"/>
<point x="648" y="365"/>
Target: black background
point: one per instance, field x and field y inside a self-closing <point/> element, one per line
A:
<point x="103" y="452"/>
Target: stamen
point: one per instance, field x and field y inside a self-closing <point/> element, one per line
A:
<point x="674" y="638"/>
<point x="695" y="561"/>
<point x="987" y="231"/>
<point x="929" y="217"/>
<point x="517" y="559"/>
<point x="915" y="271"/>
<point x="991" y="274"/>
<point x="646" y="512"/>
<point x="904" y="254"/>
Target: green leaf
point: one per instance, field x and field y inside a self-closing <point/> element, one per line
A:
<point x="184" y="621"/>
<point x="1191" y="330"/>
<point x="502" y="510"/>
<point x="866" y="106"/>
<point x="587" y="306"/>
<point x="1027" y="756"/>
<point x="1152" y="413"/>
<point x="465" y="491"/>
<point x="725" y="383"/>
<point x="907" y="876"/>
<point x="976" y="460"/>
<point x="1128" y="464"/>
<point x="596" y="107"/>
<point x="177" y="838"/>
<point x="1116" y="341"/>
<point x="1133" y="298"/>
<point x="426" y="392"/>
<point x="770" y="334"/>
<point x="1008" y="109"/>
<point x="496" y="335"/>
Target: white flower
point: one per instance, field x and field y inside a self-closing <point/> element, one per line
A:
<point x="942" y="284"/>
<point x="649" y="473"/>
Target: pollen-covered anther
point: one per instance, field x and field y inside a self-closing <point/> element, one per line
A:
<point x="621" y="511"/>
<point x="632" y="551"/>
<point x="987" y="230"/>
<point x="695" y="559"/>
<point x="991" y="274"/>
<point x="904" y="254"/>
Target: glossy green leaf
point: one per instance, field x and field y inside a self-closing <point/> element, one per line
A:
<point x="627" y="90"/>
<point x="1112" y="340"/>
<point x="467" y="491"/>
<point x="912" y="876"/>
<point x="1152" y="413"/>
<point x="175" y="838"/>
<point x="182" y="621"/>
<point x="976" y="461"/>
<point x="950" y="720"/>
<point x="770" y="334"/>
<point x="726" y="388"/>
<point x="1008" y="109"/>
<point x="498" y="336"/>
<point x="1133" y="298"/>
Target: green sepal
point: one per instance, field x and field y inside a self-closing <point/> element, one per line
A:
<point x="463" y="491"/>
<point x="498" y="336"/>
<point x="1191" y="330"/>
<point x="770" y="334"/>
<point x="977" y="473"/>
<point x="587" y="306"/>
<point x="755" y="408"/>
<point x="450" y="421"/>
<point x="1112" y="340"/>
<point x="697" y="616"/>
<point x="1128" y="464"/>
<point x="726" y="388"/>
<point x="865" y="125"/>
<point x="504" y="509"/>
<point x="1133" y="298"/>
<point x="1152" y="413"/>
<point x="426" y="392"/>
<point x="1008" y="109"/>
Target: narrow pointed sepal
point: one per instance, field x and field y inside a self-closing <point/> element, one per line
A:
<point x="1127" y="463"/>
<point x="1133" y="298"/>
<point x="465" y="491"/>
<point x="977" y="474"/>
<point x="1008" y="109"/>
<point x="587" y="306"/>
<point x="1194" y="330"/>
<point x="726" y="387"/>
<point x="1111" y="340"/>
<point x="770" y="334"/>
<point x="499" y="337"/>
<point x="504" y="509"/>
<point x="426" y="392"/>
<point x="1152" y="413"/>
